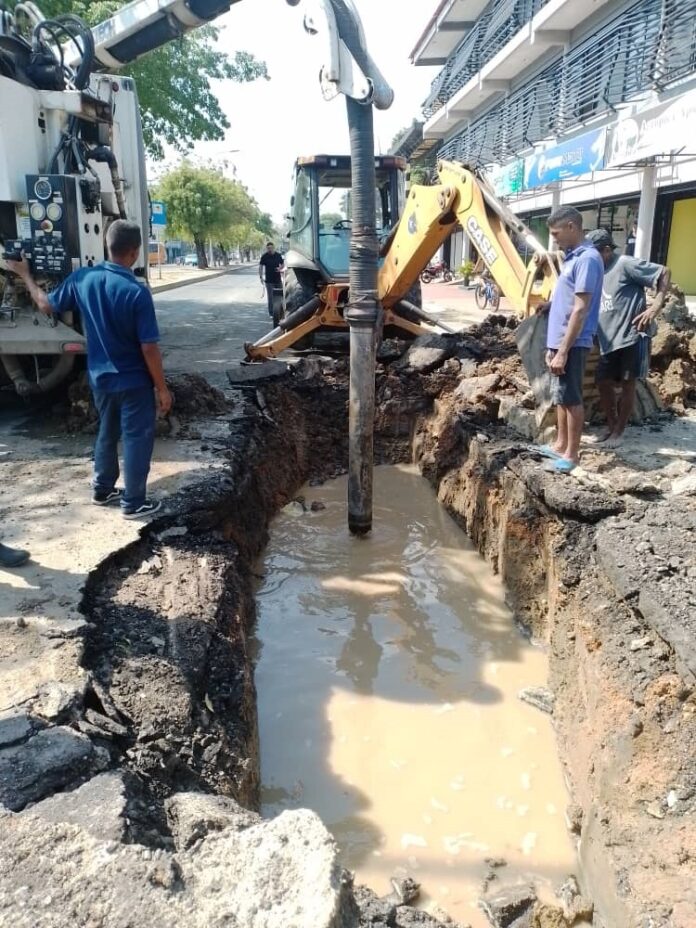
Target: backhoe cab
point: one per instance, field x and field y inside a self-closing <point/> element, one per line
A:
<point x="319" y="239"/>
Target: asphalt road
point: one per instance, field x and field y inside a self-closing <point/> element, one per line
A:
<point x="204" y="325"/>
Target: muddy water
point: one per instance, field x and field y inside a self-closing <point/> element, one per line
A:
<point x="387" y="678"/>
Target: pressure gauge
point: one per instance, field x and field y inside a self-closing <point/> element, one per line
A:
<point x="37" y="212"/>
<point x="54" y="212"/>
<point x="43" y="189"/>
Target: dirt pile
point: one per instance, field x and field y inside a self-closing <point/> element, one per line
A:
<point x="194" y="398"/>
<point x="673" y="358"/>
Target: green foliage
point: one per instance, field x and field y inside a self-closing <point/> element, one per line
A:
<point x="202" y="204"/>
<point x="467" y="269"/>
<point x="420" y="175"/>
<point x="329" y="220"/>
<point x="177" y="102"/>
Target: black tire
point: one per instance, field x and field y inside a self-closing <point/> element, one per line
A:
<point x="425" y="277"/>
<point x="447" y="276"/>
<point x="480" y="295"/>
<point x="300" y="288"/>
<point x="415" y="295"/>
<point x="495" y="303"/>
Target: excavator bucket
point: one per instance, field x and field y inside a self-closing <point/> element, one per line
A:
<point x="530" y="336"/>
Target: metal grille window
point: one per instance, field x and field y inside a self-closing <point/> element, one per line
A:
<point x="648" y="46"/>
<point x="498" y="23"/>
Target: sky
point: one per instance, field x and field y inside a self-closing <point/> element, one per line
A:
<point x="272" y="122"/>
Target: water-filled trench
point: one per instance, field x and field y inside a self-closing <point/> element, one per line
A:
<point x="388" y="672"/>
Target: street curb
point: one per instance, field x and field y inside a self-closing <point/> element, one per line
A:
<point x="163" y="288"/>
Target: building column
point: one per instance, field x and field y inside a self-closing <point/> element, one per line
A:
<point x="555" y="203"/>
<point x="646" y="212"/>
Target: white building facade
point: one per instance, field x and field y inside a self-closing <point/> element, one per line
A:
<point x="584" y="102"/>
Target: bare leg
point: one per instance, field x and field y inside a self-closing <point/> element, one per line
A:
<point x="576" y="419"/>
<point x="607" y="399"/>
<point x="561" y="431"/>
<point x="626" y="404"/>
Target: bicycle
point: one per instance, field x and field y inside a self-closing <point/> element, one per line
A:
<point x="487" y="294"/>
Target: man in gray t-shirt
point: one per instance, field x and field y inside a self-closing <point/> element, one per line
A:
<point x="625" y="328"/>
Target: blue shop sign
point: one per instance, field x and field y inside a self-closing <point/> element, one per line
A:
<point x="580" y="155"/>
<point x="159" y="213"/>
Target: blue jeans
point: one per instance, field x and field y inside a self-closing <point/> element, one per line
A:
<point x="129" y="415"/>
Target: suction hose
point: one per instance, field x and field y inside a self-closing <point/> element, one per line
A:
<point x="362" y="316"/>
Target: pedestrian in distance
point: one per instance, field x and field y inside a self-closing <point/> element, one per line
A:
<point x="124" y="363"/>
<point x="573" y="319"/>
<point x="631" y="239"/>
<point x="625" y="330"/>
<point x="270" y="266"/>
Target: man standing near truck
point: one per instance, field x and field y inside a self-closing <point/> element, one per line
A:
<point x="270" y="266"/>
<point x="624" y="331"/>
<point x="573" y="317"/>
<point x="123" y="362"/>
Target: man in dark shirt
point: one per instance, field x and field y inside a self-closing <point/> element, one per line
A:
<point x="270" y="265"/>
<point x="123" y="362"/>
<point x="624" y="331"/>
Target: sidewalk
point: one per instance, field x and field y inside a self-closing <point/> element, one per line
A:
<point x="455" y="305"/>
<point x="176" y="275"/>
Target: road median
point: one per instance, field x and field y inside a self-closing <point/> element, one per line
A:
<point x="175" y="277"/>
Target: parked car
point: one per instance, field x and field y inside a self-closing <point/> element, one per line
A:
<point x="191" y="260"/>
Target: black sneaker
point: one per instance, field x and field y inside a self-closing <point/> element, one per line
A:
<point x="146" y="509"/>
<point x="12" y="557"/>
<point x="105" y="498"/>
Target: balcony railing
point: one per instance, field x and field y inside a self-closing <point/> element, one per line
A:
<point x="646" y="47"/>
<point x="498" y="23"/>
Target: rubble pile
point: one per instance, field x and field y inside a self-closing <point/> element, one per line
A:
<point x="673" y="359"/>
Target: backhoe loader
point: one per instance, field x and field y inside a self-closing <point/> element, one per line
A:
<point x="412" y="230"/>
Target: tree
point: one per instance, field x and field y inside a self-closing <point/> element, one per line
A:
<point x="177" y="102"/>
<point x="329" y="220"/>
<point x="421" y="175"/>
<point x="204" y="205"/>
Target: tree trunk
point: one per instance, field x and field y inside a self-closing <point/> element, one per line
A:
<point x="200" y="251"/>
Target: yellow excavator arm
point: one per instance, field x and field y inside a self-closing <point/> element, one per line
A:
<point x="462" y="197"/>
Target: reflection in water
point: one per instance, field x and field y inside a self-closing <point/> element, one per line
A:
<point x="387" y="677"/>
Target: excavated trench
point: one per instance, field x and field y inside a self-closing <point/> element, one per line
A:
<point x="172" y="701"/>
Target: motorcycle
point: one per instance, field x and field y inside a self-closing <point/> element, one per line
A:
<point x="436" y="272"/>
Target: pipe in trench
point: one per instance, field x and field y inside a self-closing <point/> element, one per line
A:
<point x="362" y="315"/>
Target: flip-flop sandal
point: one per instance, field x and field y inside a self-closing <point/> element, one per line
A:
<point x="546" y="451"/>
<point x="560" y="466"/>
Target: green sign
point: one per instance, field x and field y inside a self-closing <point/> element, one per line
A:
<point x="508" y="179"/>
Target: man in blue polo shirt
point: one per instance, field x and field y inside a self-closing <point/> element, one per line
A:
<point x="123" y="362"/>
<point x="573" y="320"/>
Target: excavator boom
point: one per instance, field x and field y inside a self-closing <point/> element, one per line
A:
<point x="463" y="197"/>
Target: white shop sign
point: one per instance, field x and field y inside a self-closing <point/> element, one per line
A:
<point x="656" y="130"/>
